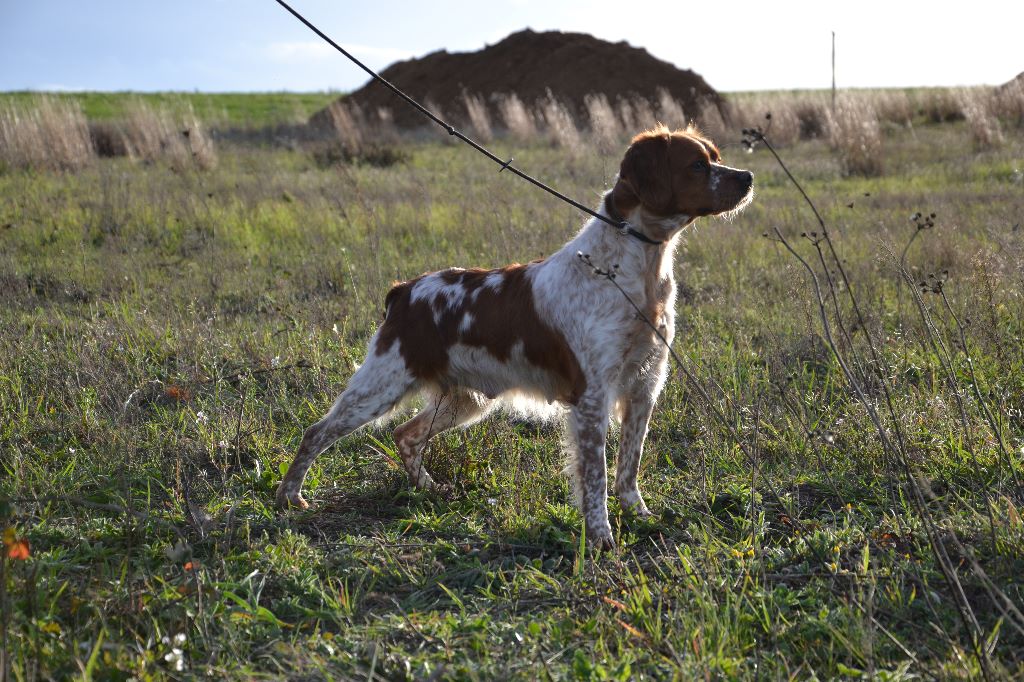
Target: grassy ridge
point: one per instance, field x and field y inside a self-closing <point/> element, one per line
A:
<point x="223" y="108"/>
<point x="166" y="335"/>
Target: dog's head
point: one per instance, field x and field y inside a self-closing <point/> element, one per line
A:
<point x="675" y="177"/>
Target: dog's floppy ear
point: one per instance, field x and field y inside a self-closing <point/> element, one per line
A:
<point x="716" y="156"/>
<point x="644" y="176"/>
<point x="709" y="146"/>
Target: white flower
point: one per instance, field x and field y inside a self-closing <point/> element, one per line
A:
<point x="201" y="418"/>
<point x="275" y="361"/>
<point x="176" y="656"/>
<point x="176" y="659"/>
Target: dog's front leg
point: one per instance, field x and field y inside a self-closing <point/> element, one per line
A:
<point x="637" y="406"/>
<point x="588" y="429"/>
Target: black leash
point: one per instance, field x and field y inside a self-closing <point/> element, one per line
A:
<point x="621" y="225"/>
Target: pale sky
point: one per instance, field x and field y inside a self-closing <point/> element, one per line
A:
<point x="247" y="45"/>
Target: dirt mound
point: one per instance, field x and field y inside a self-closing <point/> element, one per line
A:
<point x="529" y="64"/>
<point x="1015" y="82"/>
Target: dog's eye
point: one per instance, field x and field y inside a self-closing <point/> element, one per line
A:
<point x="700" y="165"/>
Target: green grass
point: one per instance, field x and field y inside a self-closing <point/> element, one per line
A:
<point x="165" y="337"/>
<point x="222" y="108"/>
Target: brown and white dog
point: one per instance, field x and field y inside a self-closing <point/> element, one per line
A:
<point x="551" y="330"/>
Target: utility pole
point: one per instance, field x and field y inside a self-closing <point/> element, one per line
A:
<point x="833" y="72"/>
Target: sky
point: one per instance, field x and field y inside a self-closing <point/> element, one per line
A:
<point x="736" y="45"/>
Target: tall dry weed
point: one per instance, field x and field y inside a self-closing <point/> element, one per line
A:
<point x="479" y="118"/>
<point x="517" y="119"/>
<point x="156" y="135"/>
<point x="198" y="142"/>
<point x="560" y="125"/>
<point x="750" y="110"/>
<point x="713" y="124"/>
<point x="939" y="105"/>
<point x="1008" y="102"/>
<point x="347" y="135"/>
<point x="605" y="129"/>
<point x="636" y="114"/>
<point x="49" y="133"/>
<point x="893" y="106"/>
<point x="978" y="108"/>
<point x="854" y="134"/>
<point x="346" y="122"/>
<point x="812" y="112"/>
<point x="670" y="110"/>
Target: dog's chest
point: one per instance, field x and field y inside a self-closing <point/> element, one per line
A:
<point x="656" y="317"/>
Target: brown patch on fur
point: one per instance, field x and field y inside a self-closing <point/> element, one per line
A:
<point x="428" y="357"/>
<point x="502" y="317"/>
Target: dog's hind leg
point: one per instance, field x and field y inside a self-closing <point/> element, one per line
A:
<point x="445" y="411"/>
<point x="373" y="391"/>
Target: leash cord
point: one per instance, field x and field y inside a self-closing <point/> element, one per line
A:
<point x="505" y="165"/>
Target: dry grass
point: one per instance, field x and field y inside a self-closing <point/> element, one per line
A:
<point x="155" y="135"/>
<point x="713" y="124"/>
<point x="854" y="134"/>
<point x="979" y="112"/>
<point x="518" y="121"/>
<point x="894" y="106"/>
<point x="346" y="123"/>
<point x="636" y="114"/>
<point x="560" y="125"/>
<point x="670" y="110"/>
<point x="606" y="131"/>
<point x="479" y="119"/>
<point x="939" y="105"/>
<point x="347" y="135"/>
<point x="48" y="134"/>
<point x="1008" y="103"/>
<point x="53" y="134"/>
<point x="786" y="123"/>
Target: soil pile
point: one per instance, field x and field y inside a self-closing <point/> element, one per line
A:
<point x="1015" y="82"/>
<point x="529" y="64"/>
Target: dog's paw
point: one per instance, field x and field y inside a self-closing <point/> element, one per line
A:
<point x="641" y="511"/>
<point x="288" y="498"/>
<point x="632" y="503"/>
<point x="422" y="480"/>
<point x="600" y="539"/>
<point x="445" y="491"/>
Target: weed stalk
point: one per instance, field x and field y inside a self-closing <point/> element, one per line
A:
<point x="895" y="444"/>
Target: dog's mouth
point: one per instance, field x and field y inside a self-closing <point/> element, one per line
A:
<point x="744" y="201"/>
<point x="732" y="190"/>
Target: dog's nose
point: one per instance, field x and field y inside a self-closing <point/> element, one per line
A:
<point x="747" y="178"/>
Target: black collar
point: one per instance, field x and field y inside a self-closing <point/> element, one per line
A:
<point x="609" y="207"/>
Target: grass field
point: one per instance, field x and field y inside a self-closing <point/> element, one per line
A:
<point x="222" y="108"/>
<point x="166" y="335"/>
